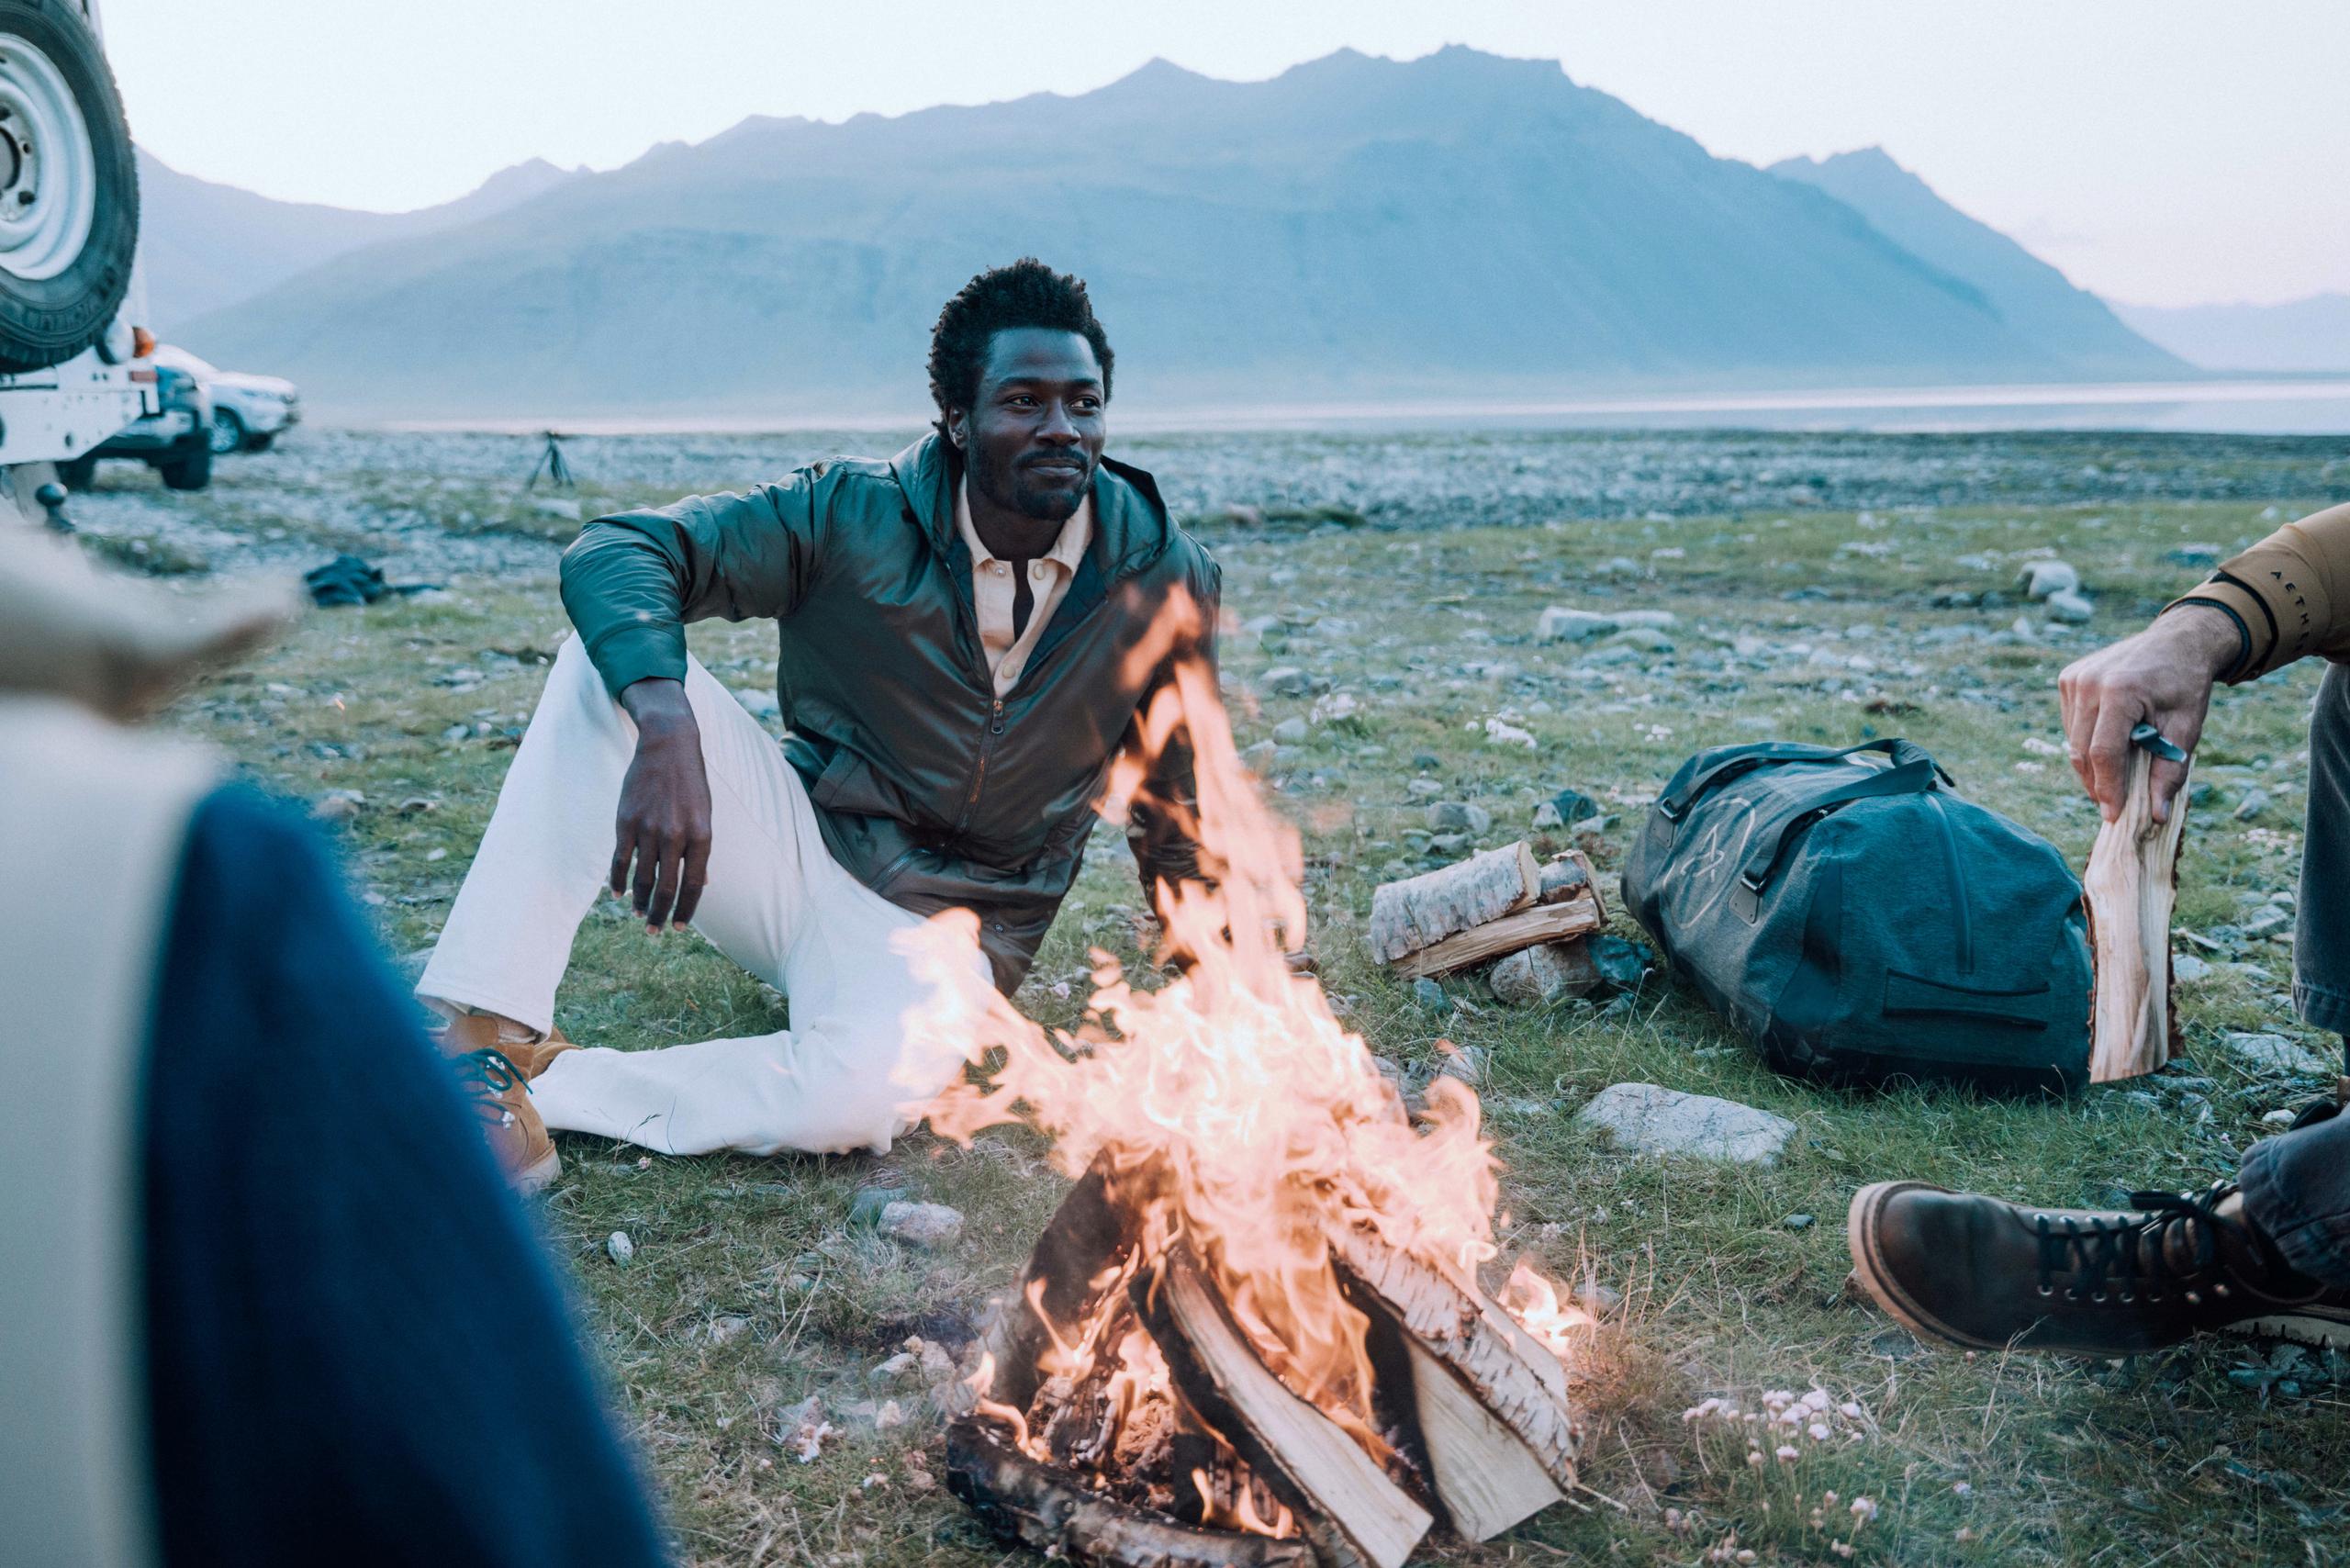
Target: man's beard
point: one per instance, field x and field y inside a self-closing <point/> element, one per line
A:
<point x="1013" y="491"/>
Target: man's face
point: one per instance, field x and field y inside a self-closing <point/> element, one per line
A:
<point x="1034" y="434"/>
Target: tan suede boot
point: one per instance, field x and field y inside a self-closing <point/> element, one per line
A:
<point x="498" y="1086"/>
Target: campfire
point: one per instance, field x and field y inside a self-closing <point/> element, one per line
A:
<point x="1254" y="1332"/>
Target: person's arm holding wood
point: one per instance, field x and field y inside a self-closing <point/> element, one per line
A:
<point x="2286" y="597"/>
<point x="2133" y="712"/>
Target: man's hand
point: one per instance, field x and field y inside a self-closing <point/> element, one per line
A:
<point x="664" y="822"/>
<point x="2163" y="676"/>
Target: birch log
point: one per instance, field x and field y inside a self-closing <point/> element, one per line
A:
<point x="1342" y="1502"/>
<point x="1422" y="911"/>
<point x="2132" y="883"/>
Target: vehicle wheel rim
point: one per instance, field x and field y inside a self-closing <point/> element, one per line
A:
<point x="49" y="169"/>
<point x="227" y="433"/>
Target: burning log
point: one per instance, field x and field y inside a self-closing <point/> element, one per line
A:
<point x="1342" y="1502"/>
<point x="2132" y="883"/>
<point x="1511" y="1375"/>
<point x="1486" y="907"/>
<point x="1487" y="1478"/>
<point x="1054" y="1512"/>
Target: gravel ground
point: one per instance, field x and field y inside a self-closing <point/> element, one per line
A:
<point x="431" y="505"/>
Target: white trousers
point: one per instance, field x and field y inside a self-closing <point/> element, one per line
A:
<point x="844" y="1077"/>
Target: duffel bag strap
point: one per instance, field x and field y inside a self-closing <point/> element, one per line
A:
<point x="1675" y="804"/>
<point x="1915" y="777"/>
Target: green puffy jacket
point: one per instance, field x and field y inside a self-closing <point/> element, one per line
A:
<point x="929" y="790"/>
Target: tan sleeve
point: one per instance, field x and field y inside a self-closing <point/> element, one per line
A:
<point x="2290" y="593"/>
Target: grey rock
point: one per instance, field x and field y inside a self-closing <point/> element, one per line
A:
<point x="1288" y="680"/>
<point x="338" y="806"/>
<point x="1466" y="1064"/>
<point x="556" y="506"/>
<point x="2194" y="555"/>
<point x="2188" y="969"/>
<point x="1620" y="963"/>
<point x="1424" y="788"/>
<point x="1289" y="732"/>
<point x="1259" y="757"/>
<point x="1654" y="620"/>
<point x="2255" y="801"/>
<point x="1430" y="996"/>
<point x="867" y="1206"/>
<point x="1560" y="624"/>
<point x="1546" y="816"/>
<point x="2040" y="579"/>
<point x="2265" y="921"/>
<point x="2070" y="608"/>
<point x="1645" y="1118"/>
<point x="933" y="1227"/>
<point x="1646" y="638"/>
<point x="2275" y="1052"/>
<point x="759" y="702"/>
<point x="726" y="1329"/>
<point x="1574" y="805"/>
<point x="1547" y="972"/>
<point x="620" y="1248"/>
<point x="1457" y="817"/>
<point x="1600" y="1301"/>
<point x="1797" y="1222"/>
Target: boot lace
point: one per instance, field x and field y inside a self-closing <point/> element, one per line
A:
<point x="2135" y="1256"/>
<point x="486" y="1073"/>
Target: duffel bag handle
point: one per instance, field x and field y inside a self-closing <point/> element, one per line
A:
<point x="1675" y="804"/>
<point x="1917" y="777"/>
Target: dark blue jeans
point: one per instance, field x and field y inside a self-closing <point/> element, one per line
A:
<point x="2297" y="1187"/>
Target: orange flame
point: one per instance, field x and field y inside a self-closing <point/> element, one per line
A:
<point x="1265" y="1120"/>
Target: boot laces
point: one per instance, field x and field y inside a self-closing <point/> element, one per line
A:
<point x="488" y="1073"/>
<point x="2134" y="1255"/>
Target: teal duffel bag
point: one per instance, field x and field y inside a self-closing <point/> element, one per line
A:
<point x="1860" y="920"/>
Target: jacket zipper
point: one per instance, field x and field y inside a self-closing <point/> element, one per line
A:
<point x="1962" y="926"/>
<point x="980" y="773"/>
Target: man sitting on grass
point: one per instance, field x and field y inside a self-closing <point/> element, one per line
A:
<point x="966" y="634"/>
<point x="2268" y="1253"/>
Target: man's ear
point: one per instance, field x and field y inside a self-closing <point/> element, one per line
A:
<point x="958" y="428"/>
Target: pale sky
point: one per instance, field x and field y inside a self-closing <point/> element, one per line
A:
<point x="2161" y="152"/>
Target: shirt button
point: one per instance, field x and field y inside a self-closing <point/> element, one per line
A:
<point x="1001" y="568"/>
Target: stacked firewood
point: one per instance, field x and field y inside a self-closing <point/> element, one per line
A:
<point x="1212" y="1461"/>
<point x="1530" y="920"/>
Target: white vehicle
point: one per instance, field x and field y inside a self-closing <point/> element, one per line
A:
<point x="248" y="411"/>
<point x="70" y="367"/>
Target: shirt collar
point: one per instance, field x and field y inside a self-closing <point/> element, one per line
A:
<point x="1076" y="536"/>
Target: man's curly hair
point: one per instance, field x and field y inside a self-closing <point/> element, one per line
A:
<point x="1026" y="294"/>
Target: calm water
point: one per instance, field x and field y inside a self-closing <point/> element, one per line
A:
<point x="2247" y="406"/>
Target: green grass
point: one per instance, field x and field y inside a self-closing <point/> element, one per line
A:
<point x="2204" y="1456"/>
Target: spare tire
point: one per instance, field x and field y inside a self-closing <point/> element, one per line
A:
<point x="69" y="187"/>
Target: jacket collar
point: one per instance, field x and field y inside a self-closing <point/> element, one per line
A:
<point x="1131" y="527"/>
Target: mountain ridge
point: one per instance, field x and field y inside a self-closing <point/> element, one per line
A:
<point x="1463" y="225"/>
<point x="2292" y="336"/>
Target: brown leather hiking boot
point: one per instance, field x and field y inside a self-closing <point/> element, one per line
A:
<point x="1983" y="1274"/>
<point x="500" y="1090"/>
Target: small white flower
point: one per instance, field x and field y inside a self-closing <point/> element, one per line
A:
<point x="1863" y="1510"/>
<point x="1788" y="1454"/>
<point x="1818" y="1430"/>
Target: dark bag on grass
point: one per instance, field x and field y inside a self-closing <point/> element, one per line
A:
<point x="1859" y="921"/>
